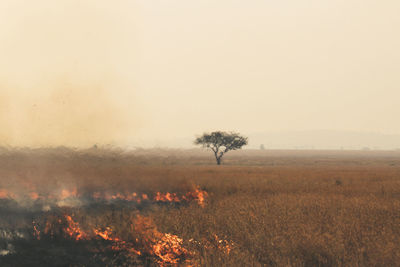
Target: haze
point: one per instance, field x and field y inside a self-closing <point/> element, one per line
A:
<point x="149" y="72"/>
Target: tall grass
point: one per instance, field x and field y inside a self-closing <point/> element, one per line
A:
<point x="326" y="209"/>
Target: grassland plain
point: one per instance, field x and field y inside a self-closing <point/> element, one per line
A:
<point x="276" y="208"/>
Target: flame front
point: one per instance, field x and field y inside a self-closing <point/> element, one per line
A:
<point x="6" y="194"/>
<point x="169" y="249"/>
<point x="197" y="195"/>
<point x="142" y="240"/>
<point x="65" y="193"/>
<point x="119" y="244"/>
<point x="166" y="248"/>
<point x="65" y="196"/>
<point x="73" y="229"/>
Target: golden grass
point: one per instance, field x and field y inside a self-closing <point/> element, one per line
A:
<point x="327" y="209"/>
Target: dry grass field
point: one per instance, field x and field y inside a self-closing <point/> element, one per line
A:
<point x="261" y="208"/>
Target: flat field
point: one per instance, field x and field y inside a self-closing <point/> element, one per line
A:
<point x="63" y="207"/>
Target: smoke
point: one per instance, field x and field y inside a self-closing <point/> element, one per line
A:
<point x="65" y="113"/>
<point x="66" y="76"/>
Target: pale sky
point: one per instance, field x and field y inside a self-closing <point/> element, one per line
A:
<point x="126" y="72"/>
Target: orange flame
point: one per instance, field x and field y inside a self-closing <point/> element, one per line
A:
<point x="166" y="248"/>
<point x="73" y="229"/>
<point x="120" y="196"/>
<point x="119" y="244"/>
<point x="6" y="194"/>
<point x="167" y="197"/>
<point x="3" y="193"/>
<point x="34" y="195"/>
<point x="67" y="193"/>
<point x="169" y="249"/>
<point x="198" y="195"/>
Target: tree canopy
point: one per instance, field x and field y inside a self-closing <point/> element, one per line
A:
<point x="221" y="142"/>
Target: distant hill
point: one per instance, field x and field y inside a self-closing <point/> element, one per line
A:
<point x="305" y="140"/>
<point x="324" y="140"/>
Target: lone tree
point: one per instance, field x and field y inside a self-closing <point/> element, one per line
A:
<point x="221" y="142"/>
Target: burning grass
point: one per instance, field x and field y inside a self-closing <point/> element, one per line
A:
<point x="104" y="208"/>
<point x="142" y="241"/>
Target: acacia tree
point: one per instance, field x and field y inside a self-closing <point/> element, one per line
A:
<point x="221" y="142"/>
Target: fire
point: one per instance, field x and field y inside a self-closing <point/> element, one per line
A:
<point x="67" y="193"/>
<point x="198" y="195"/>
<point x="128" y="197"/>
<point x="167" y="197"/>
<point x="63" y="225"/>
<point x="34" y="195"/>
<point x="169" y="249"/>
<point x="96" y="195"/>
<point x="3" y="193"/>
<point x="143" y="239"/>
<point x="166" y="248"/>
<point x="119" y="244"/>
<point x="106" y="234"/>
<point x="6" y="194"/>
<point x="70" y="197"/>
<point x="137" y="237"/>
<point x="73" y="229"/>
<point x="132" y="197"/>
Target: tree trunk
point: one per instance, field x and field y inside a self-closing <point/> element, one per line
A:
<point x="218" y="157"/>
